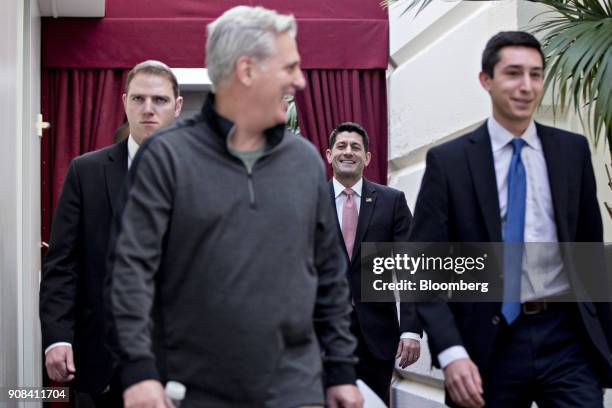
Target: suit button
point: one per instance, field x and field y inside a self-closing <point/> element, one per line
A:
<point x="495" y="320"/>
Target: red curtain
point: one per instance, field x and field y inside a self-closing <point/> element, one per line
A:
<point x="333" y="96"/>
<point x="84" y="108"/>
<point x="331" y="34"/>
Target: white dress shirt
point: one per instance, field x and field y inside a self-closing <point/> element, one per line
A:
<point x="340" y="199"/>
<point x="542" y="269"/>
<point x="132" y="150"/>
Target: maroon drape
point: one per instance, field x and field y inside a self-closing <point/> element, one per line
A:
<point x="331" y="34"/>
<point x="339" y="95"/>
<point x="84" y="108"/>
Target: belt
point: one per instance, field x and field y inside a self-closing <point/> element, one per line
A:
<point x="532" y="308"/>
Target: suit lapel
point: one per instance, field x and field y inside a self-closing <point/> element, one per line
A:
<point x="333" y="200"/>
<point x="557" y="169"/>
<point x="115" y="172"/>
<point x="480" y="161"/>
<point x="366" y="208"/>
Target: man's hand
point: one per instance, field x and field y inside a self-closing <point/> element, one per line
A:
<point x="146" y="394"/>
<point x="408" y="351"/>
<point x="344" y="396"/>
<point x="463" y="383"/>
<point x="60" y="364"/>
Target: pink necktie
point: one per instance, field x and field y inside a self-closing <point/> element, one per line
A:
<point x="349" y="220"/>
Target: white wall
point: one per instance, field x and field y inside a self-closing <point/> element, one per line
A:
<point x="434" y="93"/>
<point x="19" y="195"/>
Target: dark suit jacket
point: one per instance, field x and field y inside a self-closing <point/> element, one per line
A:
<point x="383" y="217"/>
<point x="458" y="202"/>
<point x="71" y="289"/>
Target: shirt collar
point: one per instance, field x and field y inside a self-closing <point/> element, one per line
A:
<point x="222" y="125"/>
<point x="500" y="136"/>
<point x="339" y="188"/>
<point x="132" y="147"/>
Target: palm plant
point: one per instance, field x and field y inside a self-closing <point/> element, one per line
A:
<point x="292" y="117"/>
<point x="577" y="42"/>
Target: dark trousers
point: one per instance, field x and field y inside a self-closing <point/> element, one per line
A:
<point x="113" y="398"/>
<point x="543" y="358"/>
<point x="376" y="373"/>
<point x="110" y="399"/>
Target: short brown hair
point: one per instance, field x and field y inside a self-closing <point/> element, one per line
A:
<point x="153" y="67"/>
<point x="490" y="55"/>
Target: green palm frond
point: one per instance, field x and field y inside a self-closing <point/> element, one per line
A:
<point x="577" y="43"/>
<point x="413" y="3"/>
<point x="292" y="118"/>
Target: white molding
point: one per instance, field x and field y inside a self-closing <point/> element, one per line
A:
<point x="192" y="79"/>
<point x="30" y="343"/>
<point x="71" y="8"/>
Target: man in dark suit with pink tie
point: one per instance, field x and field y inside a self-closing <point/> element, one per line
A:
<point x="370" y="212"/>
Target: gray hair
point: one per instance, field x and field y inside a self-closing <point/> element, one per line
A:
<point x="243" y="31"/>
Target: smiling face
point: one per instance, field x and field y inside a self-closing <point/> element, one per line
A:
<point x="348" y="157"/>
<point x="275" y="80"/>
<point x="516" y="86"/>
<point x="150" y="104"/>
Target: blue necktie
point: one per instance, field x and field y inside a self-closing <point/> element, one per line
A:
<point x="514" y="229"/>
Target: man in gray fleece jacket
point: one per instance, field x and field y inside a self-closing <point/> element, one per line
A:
<point x="227" y="274"/>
